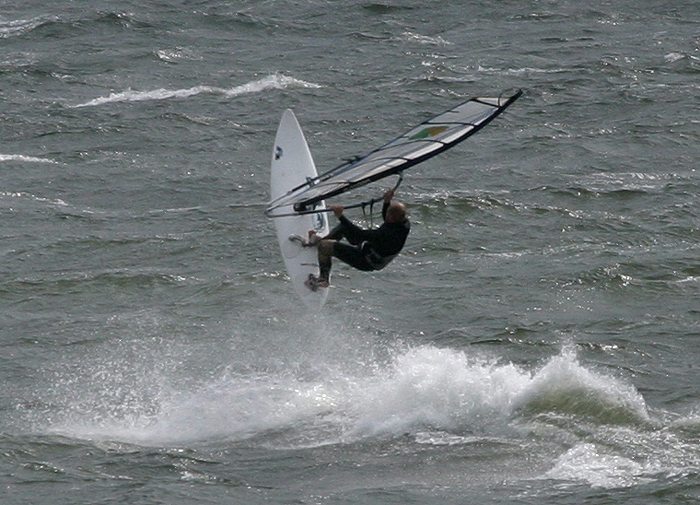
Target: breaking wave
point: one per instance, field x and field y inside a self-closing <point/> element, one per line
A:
<point x="423" y="388"/>
<point x="275" y="81"/>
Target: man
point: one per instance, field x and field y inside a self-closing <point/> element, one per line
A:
<point x="367" y="249"/>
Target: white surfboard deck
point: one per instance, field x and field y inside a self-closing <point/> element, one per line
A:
<point x="292" y="164"/>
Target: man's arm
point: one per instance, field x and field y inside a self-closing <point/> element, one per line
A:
<point x="387" y="200"/>
<point x="353" y="233"/>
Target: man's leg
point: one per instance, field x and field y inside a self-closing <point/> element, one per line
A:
<point x="325" y="253"/>
<point x="337" y="233"/>
<point x="313" y="239"/>
<point x="351" y="255"/>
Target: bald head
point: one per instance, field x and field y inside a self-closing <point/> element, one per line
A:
<point x="396" y="213"/>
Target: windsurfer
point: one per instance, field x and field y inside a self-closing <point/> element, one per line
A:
<point x="367" y="249"/>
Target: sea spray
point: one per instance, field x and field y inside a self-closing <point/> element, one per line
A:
<point x="452" y="390"/>
<point x="418" y="389"/>
<point x="438" y="388"/>
<point x="564" y="386"/>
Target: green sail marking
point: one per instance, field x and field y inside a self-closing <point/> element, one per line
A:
<point x="430" y="131"/>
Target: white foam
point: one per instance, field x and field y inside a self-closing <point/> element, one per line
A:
<point x="177" y="54"/>
<point x="422" y="390"/>
<point x="425" y="39"/>
<point x="585" y="463"/>
<point x="674" y="57"/>
<point x="22" y="157"/>
<point x="234" y="408"/>
<point x="275" y="81"/>
<point x="29" y="196"/>
<point x="690" y="423"/>
<point x="440" y="388"/>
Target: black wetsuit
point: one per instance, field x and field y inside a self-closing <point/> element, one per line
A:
<point x="371" y="249"/>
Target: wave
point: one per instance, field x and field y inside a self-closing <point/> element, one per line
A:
<point x="588" y="463"/>
<point x="177" y="54"/>
<point x="19" y="27"/>
<point x="423" y="389"/>
<point x="431" y="387"/>
<point x="65" y="25"/>
<point x="275" y="81"/>
<point x="119" y="279"/>
<point x="622" y="457"/>
<point x="564" y="387"/>
<point x="424" y="39"/>
<point x="522" y="71"/>
<point x="32" y="198"/>
<point x="22" y="157"/>
<point x="384" y="8"/>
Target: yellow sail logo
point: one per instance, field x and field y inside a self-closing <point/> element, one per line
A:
<point x="430" y="131"/>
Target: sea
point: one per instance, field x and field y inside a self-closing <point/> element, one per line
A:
<point x="536" y="342"/>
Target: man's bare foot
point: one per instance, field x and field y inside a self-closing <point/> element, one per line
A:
<point x="313" y="239"/>
<point x="313" y="283"/>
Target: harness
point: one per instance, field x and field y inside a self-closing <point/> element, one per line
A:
<point x="376" y="260"/>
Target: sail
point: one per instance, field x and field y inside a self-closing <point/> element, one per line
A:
<point x="415" y="146"/>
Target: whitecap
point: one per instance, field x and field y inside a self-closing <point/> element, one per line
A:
<point x="176" y="54"/>
<point x="442" y="396"/>
<point x="22" y="157"/>
<point x="441" y="388"/>
<point x="673" y="57"/>
<point x="275" y="81"/>
<point x="586" y="463"/>
<point x="564" y="385"/>
<point x="31" y="197"/>
<point x="425" y="39"/>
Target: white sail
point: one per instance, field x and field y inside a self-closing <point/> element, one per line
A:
<point x="415" y="146"/>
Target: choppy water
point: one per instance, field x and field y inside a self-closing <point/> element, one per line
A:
<point x="537" y="342"/>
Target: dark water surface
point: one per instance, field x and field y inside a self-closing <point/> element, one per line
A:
<point x="537" y="342"/>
